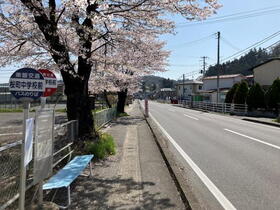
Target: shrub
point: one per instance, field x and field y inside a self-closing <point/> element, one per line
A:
<point x="255" y="98"/>
<point x="124" y="114"/>
<point x="104" y="147"/>
<point x="231" y="92"/>
<point x="241" y="93"/>
<point x="272" y="96"/>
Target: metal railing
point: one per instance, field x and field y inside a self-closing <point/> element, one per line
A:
<point x="10" y="155"/>
<point x="238" y="109"/>
<point x="103" y="117"/>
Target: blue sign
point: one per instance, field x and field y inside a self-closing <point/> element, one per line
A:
<point x="27" y="83"/>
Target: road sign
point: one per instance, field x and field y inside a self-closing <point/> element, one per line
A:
<point x="50" y="81"/>
<point x="27" y="83"/>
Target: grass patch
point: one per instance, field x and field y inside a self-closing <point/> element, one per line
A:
<point x="277" y="120"/>
<point x="61" y="110"/>
<point x="124" y="114"/>
<point x="104" y="147"/>
<point x="10" y="110"/>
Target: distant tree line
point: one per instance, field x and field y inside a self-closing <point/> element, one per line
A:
<point x="255" y="97"/>
<point x="244" y="64"/>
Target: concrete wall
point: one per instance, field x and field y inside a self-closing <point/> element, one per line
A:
<point x="267" y="73"/>
<point x="211" y="84"/>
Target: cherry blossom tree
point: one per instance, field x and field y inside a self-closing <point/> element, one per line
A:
<point x="70" y="36"/>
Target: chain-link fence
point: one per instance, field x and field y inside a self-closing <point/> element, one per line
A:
<point x="104" y="116"/>
<point x="10" y="155"/>
<point x="9" y="172"/>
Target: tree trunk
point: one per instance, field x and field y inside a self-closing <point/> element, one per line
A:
<point x="106" y="99"/>
<point x="121" y="101"/>
<point x="78" y="104"/>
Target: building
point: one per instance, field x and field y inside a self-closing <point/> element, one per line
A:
<point x="211" y="95"/>
<point x="225" y="81"/>
<point x="266" y="72"/>
<point x="188" y="89"/>
<point x="250" y="80"/>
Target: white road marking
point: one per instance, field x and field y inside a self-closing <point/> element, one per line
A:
<point x="171" y="110"/>
<point x="190" y="117"/>
<point x="225" y="203"/>
<point x="254" y="139"/>
<point x="10" y="134"/>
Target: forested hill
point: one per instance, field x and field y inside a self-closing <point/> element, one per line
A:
<point x="245" y="63"/>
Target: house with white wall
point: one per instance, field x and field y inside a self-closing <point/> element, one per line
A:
<point x="225" y="83"/>
<point x="266" y="72"/>
<point x="188" y="89"/>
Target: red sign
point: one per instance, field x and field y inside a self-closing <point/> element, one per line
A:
<point x="50" y="80"/>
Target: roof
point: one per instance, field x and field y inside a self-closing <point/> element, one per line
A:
<point x="224" y="76"/>
<point x="269" y="60"/>
<point x="191" y="82"/>
<point x="224" y="90"/>
<point x="250" y="76"/>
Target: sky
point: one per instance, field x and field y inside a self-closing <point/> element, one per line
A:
<point x="190" y="43"/>
<point x="237" y="34"/>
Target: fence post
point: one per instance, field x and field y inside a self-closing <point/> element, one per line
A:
<point x="26" y="106"/>
<point x="146" y="108"/>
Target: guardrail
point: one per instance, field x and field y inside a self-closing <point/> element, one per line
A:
<point x="239" y="109"/>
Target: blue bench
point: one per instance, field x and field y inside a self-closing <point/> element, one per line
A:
<point x="68" y="174"/>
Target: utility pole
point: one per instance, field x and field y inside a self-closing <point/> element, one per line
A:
<point x="218" y="67"/>
<point x="183" y="86"/>
<point x="204" y="65"/>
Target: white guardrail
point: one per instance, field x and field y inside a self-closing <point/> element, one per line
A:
<point x="239" y="109"/>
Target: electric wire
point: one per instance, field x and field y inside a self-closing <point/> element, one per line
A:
<point x="233" y="17"/>
<point x="259" y="43"/>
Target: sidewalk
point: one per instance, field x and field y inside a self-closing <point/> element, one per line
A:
<point x="262" y="120"/>
<point x="135" y="178"/>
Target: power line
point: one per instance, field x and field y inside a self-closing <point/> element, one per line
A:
<point x="194" y="41"/>
<point x="230" y="44"/>
<point x="252" y="46"/>
<point x="183" y="65"/>
<point x="236" y="16"/>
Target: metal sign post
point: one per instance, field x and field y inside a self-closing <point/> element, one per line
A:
<point x="43" y="102"/>
<point x="25" y="84"/>
<point x="26" y="106"/>
<point x="51" y="87"/>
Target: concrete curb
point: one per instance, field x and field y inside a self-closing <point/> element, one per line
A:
<point x="262" y="122"/>
<point x="175" y="168"/>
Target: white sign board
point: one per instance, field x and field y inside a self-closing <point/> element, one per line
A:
<point x="43" y="155"/>
<point x="28" y="141"/>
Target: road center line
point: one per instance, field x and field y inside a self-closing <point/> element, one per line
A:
<point x="190" y="117"/>
<point x="254" y="139"/>
<point x="225" y="203"/>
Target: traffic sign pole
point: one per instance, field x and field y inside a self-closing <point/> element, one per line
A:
<point x="26" y="107"/>
<point x="43" y="102"/>
<point x="26" y="84"/>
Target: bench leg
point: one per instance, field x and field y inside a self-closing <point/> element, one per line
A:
<point x="69" y="198"/>
<point x="90" y="169"/>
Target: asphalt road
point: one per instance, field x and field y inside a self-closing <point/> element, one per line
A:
<point x="239" y="161"/>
